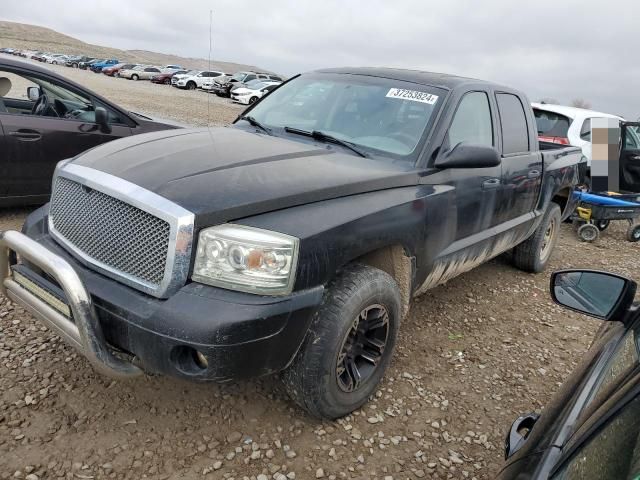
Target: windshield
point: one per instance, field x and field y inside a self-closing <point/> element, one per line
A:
<point x="238" y="76"/>
<point x="383" y="115"/>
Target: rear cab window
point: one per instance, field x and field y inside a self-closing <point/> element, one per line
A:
<point x="513" y="122"/>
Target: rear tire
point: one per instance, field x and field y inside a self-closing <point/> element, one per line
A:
<point x="533" y="254"/>
<point x="602" y="225"/>
<point x="352" y="336"/>
<point x="633" y="233"/>
<point x="588" y="232"/>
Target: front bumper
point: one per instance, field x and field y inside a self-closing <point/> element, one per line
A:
<point x="200" y="333"/>
<point x="243" y="99"/>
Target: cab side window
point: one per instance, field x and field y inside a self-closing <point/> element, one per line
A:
<point x="472" y="121"/>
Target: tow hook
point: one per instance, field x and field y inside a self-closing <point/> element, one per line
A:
<point x="520" y="430"/>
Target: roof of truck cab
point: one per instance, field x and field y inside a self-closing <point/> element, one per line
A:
<point x="444" y="80"/>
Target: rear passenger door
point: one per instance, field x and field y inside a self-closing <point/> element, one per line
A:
<point x="521" y="163"/>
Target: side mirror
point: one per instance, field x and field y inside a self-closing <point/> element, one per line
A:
<point x="465" y="155"/>
<point x="33" y="93"/>
<point x="102" y="119"/>
<point x="597" y="294"/>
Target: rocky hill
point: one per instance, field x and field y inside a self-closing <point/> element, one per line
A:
<point x="33" y="37"/>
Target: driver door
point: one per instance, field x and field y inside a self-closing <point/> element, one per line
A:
<point x="34" y="144"/>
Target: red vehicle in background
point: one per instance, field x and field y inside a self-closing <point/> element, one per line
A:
<point x="113" y="70"/>
<point x="165" y="77"/>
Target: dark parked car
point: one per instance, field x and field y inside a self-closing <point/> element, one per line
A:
<point x="48" y="120"/>
<point x="39" y="57"/>
<point x="75" y="62"/>
<point x="591" y="428"/>
<point x="295" y="240"/>
<point x="165" y="77"/>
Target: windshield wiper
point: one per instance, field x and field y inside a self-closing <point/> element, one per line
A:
<point x="325" y="137"/>
<point x="255" y="123"/>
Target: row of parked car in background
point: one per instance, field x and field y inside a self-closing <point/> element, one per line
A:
<point x="243" y="87"/>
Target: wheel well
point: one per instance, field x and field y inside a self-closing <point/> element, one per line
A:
<point x="395" y="261"/>
<point x="561" y="198"/>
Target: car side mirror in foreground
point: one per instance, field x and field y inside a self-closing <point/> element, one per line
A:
<point x="33" y="93"/>
<point x="465" y="155"/>
<point x="597" y="294"/>
<point x="102" y="119"/>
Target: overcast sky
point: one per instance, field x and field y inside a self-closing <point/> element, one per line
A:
<point x="561" y="49"/>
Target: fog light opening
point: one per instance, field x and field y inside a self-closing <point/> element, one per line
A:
<point x="201" y="360"/>
<point x="189" y="360"/>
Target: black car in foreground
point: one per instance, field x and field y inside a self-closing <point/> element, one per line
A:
<point x="294" y="240"/>
<point x="591" y="428"/>
<point x="45" y="118"/>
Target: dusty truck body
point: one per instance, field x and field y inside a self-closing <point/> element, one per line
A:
<point x="295" y="239"/>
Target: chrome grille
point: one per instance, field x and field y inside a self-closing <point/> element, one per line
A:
<point x="120" y="236"/>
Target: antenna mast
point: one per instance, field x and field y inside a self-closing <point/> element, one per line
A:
<point x="210" y="48"/>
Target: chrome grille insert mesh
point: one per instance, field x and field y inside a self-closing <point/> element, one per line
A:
<point x="118" y="235"/>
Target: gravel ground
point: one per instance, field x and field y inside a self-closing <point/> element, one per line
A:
<point x="472" y="355"/>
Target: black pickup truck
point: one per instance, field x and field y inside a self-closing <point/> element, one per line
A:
<point x="294" y="240"/>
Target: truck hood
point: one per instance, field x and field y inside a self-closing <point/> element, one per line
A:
<point x="222" y="174"/>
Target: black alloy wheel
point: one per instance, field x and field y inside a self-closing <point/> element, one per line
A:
<point x="363" y="348"/>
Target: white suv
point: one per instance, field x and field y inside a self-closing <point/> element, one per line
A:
<point x="567" y="125"/>
<point x="193" y="81"/>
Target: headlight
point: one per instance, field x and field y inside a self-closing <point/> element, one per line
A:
<point x="246" y="259"/>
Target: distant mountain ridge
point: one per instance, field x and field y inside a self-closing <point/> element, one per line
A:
<point x="34" y="37"/>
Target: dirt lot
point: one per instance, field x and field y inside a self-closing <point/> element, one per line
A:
<point x="159" y="101"/>
<point x="472" y="355"/>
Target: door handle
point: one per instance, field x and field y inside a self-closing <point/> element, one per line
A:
<point x="533" y="173"/>
<point x="635" y="158"/>
<point x="491" y="183"/>
<point x="27" y="135"/>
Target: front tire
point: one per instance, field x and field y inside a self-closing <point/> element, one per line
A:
<point x="533" y="254"/>
<point x="191" y="86"/>
<point x="253" y="100"/>
<point x="349" y="344"/>
<point x="134" y="77"/>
